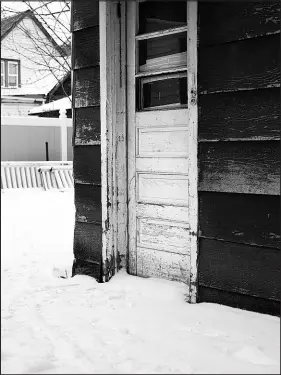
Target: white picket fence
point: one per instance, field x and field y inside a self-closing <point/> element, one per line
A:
<point x="37" y="175"/>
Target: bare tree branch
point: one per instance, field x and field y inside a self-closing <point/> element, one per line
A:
<point x="57" y="23"/>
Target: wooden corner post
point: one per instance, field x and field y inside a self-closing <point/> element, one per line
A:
<point x="192" y="9"/>
<point x="113" y="136"/>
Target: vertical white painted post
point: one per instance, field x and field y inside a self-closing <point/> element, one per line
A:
<point x="105" y="113"/>
<point x="192" y="143"/>
<point x="63" y="134"/>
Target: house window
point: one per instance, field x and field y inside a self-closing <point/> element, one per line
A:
<point x="2" y="74"/>
<point x="161" y="47"/>
<point x="10" y="73"/>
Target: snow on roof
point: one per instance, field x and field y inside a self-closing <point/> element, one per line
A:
<point x="64" y="103"/>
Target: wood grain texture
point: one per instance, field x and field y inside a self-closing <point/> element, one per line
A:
<point x="192" y="100"/>
<point x="86" y="87"/>
<point x="223" y="22"/>
<point x="87" y="164"/>
<point x="162" y="264"/>
<point x="87" y="126"/>
<point x="179" y="214"/>
<point x="86" y="48"/>
<point x="240" y="167"/>
<point x="163" y="189"/>
<point x="247" y="64"/>
<point x="242" y="218"/>
<point x="132" y="120"/>
<point x="88" y="203"/>
<point x="251" y="114"/>
<point x="87" y="242"/>
<point x="240" y="268"/>
<point x="240" y="301"/>
<point x="85" y="13"/>
<point x="163" y="235"/>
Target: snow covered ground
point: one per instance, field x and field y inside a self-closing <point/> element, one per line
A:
<point x="129" y="325"/>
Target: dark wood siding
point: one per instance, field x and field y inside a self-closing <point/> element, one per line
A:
<point x="238" y="155"/>
<point x="86" y="138"/>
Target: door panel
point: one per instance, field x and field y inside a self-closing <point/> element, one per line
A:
<point x="158" y="158"/>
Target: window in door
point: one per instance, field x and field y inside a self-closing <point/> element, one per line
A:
<point x="161" y="55"/>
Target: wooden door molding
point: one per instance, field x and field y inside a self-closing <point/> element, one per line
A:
<point x="192" y="108"/>
<point x="113" y="135"/>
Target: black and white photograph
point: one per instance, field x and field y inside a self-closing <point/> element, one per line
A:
<point x="140" y="187"/>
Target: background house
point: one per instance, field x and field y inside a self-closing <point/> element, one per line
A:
<point x="177" y="170"/>
<point x="58" y="101"/>
<point x="32" y="63"/>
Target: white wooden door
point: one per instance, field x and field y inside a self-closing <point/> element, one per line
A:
<point x="162" y="171"/>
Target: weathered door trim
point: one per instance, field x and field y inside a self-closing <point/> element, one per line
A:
<point x="192" y="61"/>
<point x="113" y="135"/>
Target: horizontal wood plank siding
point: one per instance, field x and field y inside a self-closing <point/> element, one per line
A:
<point x="238" y="300"/>
<point x="221" y="21"/>
<point x="86" y="47"/>
<point x="239" y="155"/>
<point x="242" y="218"/>
<point x="87" y="242"/>
<point x="85" y="13"/>
<point x="87" y="127"/>
<point x="240" y="167"/>
<point x="243" y="115"/>
<point x="86" y="152"/>
<point x="87" y="164"/>
<point x="88" y="203"/>
<point x="246" y="64"/>
<point x="86" y="87"/>
<point x="225" y="266"/>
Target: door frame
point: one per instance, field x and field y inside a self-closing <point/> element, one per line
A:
<point x="114" y="142"/>
<point x="113" y="136"/>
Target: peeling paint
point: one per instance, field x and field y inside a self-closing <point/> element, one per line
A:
<point x="238" y="233"/>
<point x="81" y="218"/>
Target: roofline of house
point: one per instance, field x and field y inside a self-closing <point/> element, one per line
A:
<point x="57" y="85"/>
<point x="29" y="13"/>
